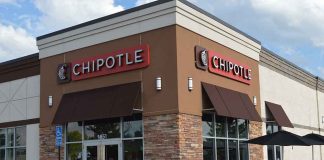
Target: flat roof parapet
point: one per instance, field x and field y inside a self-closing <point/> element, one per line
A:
<point x="20" y="68"/>
<point x="283" y="66"/>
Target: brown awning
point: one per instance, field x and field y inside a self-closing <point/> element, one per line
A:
<point x="231" y="103"/>
<point x="107" y="102"/>
<point x="279" y="114"/>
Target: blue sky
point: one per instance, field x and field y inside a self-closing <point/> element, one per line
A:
<point x="292" y="29"/>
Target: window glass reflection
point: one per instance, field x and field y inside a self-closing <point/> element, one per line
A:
<point x="133" y="149"/>
<point x="269" y="129"/>
<point x="208" y="149"/>
<point x="88" y="132"/>
<point x="10" y="137"/>
<point x="3" y="137"/>
<point x="74" y="151"/>
<point x="102" y="129"/>
<point x="20" y="154"/>
<point x="220" y="126"/>
<point x="20" y="136"/>
<point x="92" y="153"/>
<point x="207" y="125"/>
<point x="270" y="152"/>
<point x="9" y="154"/>
<point x="278" y="153"/>
<point x="132" y="126"/>
<point x="244" y="152"/>
<point x="74" y="131"/>
<point x="221" y="148"/>
<point x="232" y="129"/>
<point x="274" y="152"/>
<point x="232" y="150"/>
<point x="2" y="154"/>
<point x="242" y="128"/>
<point x="275" y="128"/>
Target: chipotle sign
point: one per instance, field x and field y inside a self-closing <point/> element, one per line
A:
<point x="114" y="62"/>
<point x="219" y="64"/>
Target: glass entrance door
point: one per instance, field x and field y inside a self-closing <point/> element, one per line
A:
<point x="102" y="150"/>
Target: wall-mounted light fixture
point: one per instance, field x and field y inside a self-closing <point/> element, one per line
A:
<point x="50" y="101"/>
<point x="158" y="83"/>
<point x="322" y="119"/>
<point x="190" y="84"/>
<point x="255" y="100"/>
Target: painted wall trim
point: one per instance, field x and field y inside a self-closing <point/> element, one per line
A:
<point x="145" y="18"/>
<point x="19" y="123"/>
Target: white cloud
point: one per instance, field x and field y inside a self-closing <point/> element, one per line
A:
<point x="141" y="2"/>
<point x="15" y="42"/>
<point x="60" y="14"/>
<point x="305" y="18"/>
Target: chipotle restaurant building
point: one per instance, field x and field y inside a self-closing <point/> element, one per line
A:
<point x="165" y="80"/>
<point x="161" y="81"/>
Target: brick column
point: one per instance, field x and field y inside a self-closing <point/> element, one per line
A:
<point x="256" y="151"/>
<point x="191" y="141"/>
<point x="48" y="151"/>
<point x="173" y="136"/>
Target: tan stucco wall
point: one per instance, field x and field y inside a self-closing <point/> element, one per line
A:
<point x="299" y="103"/>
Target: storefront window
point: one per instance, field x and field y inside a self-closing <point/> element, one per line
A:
<point x="244" y="152"/>
<point x="224" y="137"/>
<point x="75" y="151"/>
<point x="102" y="129"/>
<point x="13" y="143"/>
<point x="88" y="136"/>
<point x="208" y="148"/>
<point x="3" y="137"/>
<point x="274" y="152"/>
<point x="74" y="132"/>
<point x="242" y="128"/>
<point x="133" y="149"/>
<point x="208" y="125"/>
<point x="221" y="148"/>
<point x="10" y="137"/>
<point x="220" y="127"/>
<point x="20" y="136"/>
<point x="232" y="150"/>
<point x="132" y="126"/>
<point x="232" y="128"/>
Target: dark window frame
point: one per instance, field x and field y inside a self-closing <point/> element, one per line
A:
<point x="238" y="139"/>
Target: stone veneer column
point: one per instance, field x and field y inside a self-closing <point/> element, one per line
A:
<point x="173" y="136"/>
<point x="256" y="151"/>
<point x="48" y="151"/>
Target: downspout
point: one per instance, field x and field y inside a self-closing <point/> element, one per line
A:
<point x="318" y="114"/>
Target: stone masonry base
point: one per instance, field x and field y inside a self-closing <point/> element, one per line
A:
<point x="48" y="151"/>
<point x="173" y="136"/>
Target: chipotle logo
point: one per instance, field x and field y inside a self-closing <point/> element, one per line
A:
<point x="105" y="64"/>
<point x="219" y="64"/>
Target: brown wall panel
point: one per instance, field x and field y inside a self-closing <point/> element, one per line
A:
<point x="19" y="68"/>
<point x="163" y="63"/>
<point x="172" y="58"/>
<point x="190" y="102"/>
